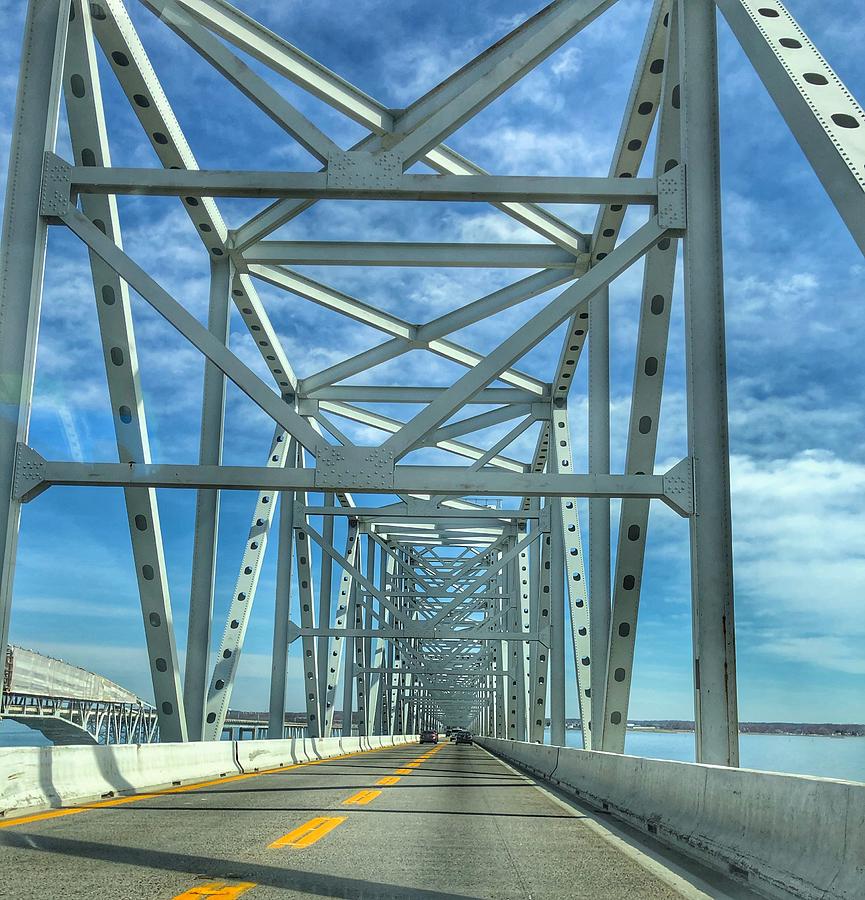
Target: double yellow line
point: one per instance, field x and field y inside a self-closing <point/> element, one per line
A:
<point x="310" y="832"/>
<point x="217" y="890"/>
<point x="301" y="837"/>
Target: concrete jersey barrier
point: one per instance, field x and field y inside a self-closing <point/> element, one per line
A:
<point x="783" y="835"/>
<point x="36" y="778"/>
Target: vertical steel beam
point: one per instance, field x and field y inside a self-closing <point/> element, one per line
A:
<point x="325" y="593"/>
<point x="22" y="258"/>
<point x="306" y="594"/>
<point x="499" y="680"/>
<point x="557" y="627"/>
<point x="282" y="610"/>
<point x="364" y="680"/>
<point x="527" y="602"/>
<point x="334" y="656"/>
<point x="348" y="674"/>
<point x="575" y="573"/>
<point x="711" y="534"/>
<point x="514" y="623"/>
<point x="379" y="653"/>
<point x="599" y="508"/>
<point x="206" y="510"/>
<point x="541" y="652"/>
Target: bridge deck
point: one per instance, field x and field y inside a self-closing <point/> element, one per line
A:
<point x="456" y="823"/>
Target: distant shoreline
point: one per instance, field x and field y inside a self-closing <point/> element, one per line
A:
<point x="640" y="729"/>
<point x="792" y="729"/>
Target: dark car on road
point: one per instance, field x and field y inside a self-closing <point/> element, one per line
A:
<point x="463" y="737"/>
<point x="429" y="736"/>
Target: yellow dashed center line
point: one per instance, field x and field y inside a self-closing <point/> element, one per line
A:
<point x="388" y="780"/>
<point x="217" y="890"/>
<point x="414" y="764"/>
<point x="308" y="833"/>
<point x="403" y="771"/>
<point x="361" y="798"/>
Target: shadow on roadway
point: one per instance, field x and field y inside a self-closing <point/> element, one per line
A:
<point x="355" y="810"/>
<point x="427" y="769"/>
<point x="272" y="876"/>
<point x="407" y="781"/>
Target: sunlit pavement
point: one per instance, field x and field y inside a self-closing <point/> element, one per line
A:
<point x="415" y="821"/>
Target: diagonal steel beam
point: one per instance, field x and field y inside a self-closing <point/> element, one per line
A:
<point x="253" y="86"/>
<point x="135" y="75"/>
<point x="89" y="138"/>
<point x="283" y="57"/>
<point x="349" y="306"/>
<point x="192" y="329"/>
<point x="823" y="115"/>
<point x="521" y="341"/>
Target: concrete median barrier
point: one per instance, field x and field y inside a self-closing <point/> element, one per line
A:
<point x="783" y="835"/>
<point x="37" y="778"/>
<point x="252" y="756"/>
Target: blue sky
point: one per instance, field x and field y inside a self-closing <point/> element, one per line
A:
<point x="794" y="290"/>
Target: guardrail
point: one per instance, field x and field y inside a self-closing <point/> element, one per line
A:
<point x="783" y="835"/>
<point x="35" y="778"/>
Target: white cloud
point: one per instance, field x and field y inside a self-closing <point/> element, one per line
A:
<point x="799" y="563"/>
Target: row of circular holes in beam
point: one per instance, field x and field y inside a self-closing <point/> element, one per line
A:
<point x="88" y="158"/>
<point x="656" y="67"/>
<point x="841" y="119"/>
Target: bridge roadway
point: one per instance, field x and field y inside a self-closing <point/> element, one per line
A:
<point x="410" y="822"/>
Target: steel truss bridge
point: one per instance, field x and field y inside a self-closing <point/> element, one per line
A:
<point x="429" y="607"/>
<point x="436" y="575"/>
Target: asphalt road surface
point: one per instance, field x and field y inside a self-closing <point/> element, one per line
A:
<point x="410" y="822"/>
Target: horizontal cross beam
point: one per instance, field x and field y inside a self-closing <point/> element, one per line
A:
<point x="413" y="253"/>
<point x="441" y="515"/>
<point x="33" y="474"/>
<point x="418" y="631"/>
<point x="324" y="186"/>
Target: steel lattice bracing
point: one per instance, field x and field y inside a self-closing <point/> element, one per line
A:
<point x="443" y="598"/>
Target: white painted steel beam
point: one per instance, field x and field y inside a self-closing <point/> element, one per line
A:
<point x="643" y="428"/>
<point x="35" y="474"/>
<point x="22" y="256"/>
<point x="717" y="723"/>
<point x="284" y="58"/>
<point x="206" y="511"/>
<point x="331" y="186"/>
<point x="349" y="253"/>
<point x="89" y="138"/>
<point x="221" y="685"/>
<point x="823" y="115"/>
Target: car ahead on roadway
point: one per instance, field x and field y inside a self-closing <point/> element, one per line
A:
<point x="463" y="737"/>
<point x="428" y="736"/>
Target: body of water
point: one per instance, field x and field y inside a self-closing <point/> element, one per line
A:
<point x="829" y="757"/>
